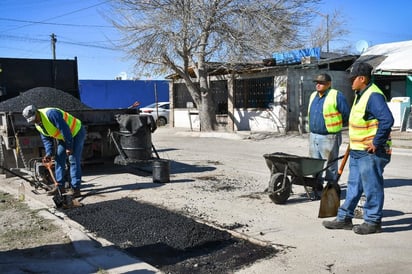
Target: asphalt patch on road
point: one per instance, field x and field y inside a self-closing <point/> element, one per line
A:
<point x="167" y="240"/>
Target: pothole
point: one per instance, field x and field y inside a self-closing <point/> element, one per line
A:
<point x="167" y="240"/>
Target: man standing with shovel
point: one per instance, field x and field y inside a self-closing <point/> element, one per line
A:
<point x="370" y="124"/>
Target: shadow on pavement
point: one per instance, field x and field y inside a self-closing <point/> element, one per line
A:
<point x="64" y="258"/>
<point x="397" y="182"/>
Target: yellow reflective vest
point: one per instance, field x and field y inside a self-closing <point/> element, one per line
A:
<point x="51" y="131"/>
<point x="333" y="118"/>
<point x="361" y="131"/>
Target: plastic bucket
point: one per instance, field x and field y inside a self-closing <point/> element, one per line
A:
<point x="161" y="171"/>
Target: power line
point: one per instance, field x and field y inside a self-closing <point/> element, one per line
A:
<point x="55" y="24"/>
<point x="81" y="44"/>
<point x="59" y="16"/>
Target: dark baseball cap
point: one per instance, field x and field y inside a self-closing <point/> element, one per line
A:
<point x="322" y="78"/>
<point x="360" y="69"/>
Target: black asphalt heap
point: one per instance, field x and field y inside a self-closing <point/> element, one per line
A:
<point x="167" y="240"/>
<point x="43" y="97"/>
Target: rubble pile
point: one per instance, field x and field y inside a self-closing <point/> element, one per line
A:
<point x="43" y="97"/>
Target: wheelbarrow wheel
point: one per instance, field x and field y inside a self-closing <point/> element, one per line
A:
<point x="277" y="193"/>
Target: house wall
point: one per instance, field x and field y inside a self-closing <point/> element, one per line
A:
<point x="288" y="112"/>
<point x="299" y="88"/>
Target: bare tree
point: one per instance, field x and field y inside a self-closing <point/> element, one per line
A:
<point x="331" y="28"/>
<point x="184" y="35"/>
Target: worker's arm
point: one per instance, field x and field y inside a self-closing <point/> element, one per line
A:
<point x="343" y="107"/>
<point x="377" y="108"/>
<point x="48" y="145"/>
<point x="56" y="118"/>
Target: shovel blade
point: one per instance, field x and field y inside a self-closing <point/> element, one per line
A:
<point x="329" y="201"/>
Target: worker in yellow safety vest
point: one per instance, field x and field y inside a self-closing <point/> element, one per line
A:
<point x="68" y="131"/>
<point x="328" y="111"/>
<point x="370" y="124"/>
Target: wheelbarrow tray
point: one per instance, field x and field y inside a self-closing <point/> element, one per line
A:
<point x="297" y="166"/>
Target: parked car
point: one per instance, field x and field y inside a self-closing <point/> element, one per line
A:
<point x="160" y="113"/>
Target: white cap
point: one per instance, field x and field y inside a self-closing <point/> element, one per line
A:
<point x="29" y="113"/>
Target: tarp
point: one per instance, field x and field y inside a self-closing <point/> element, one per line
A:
<point x="113" y="94"/>
<point x="295" y="56"/>
<point x="389" y="58"/>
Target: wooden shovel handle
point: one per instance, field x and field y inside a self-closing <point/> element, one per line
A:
<point x="344" y="160"/>
<point x="48" y="166"/>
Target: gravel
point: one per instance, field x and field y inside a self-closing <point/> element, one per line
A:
<point x="43" y="97"/>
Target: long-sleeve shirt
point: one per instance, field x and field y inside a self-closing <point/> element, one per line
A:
<point x="56" y="118"/>
<point x="316" y="119"/>
<point x="376" y="108"/>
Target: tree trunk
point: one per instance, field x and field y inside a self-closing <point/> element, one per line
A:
<point x="207" y="113"/>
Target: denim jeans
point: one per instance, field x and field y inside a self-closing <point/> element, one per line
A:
<point x="74" y="160"/>
<point x="365" y="176"/>
<point x="326" y="147"/>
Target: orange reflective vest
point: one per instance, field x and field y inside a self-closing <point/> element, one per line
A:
<point x="333" y="118"/>
<point x="51" y="131"/>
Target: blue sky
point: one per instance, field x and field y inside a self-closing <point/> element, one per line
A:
<point x="82" y="31"/>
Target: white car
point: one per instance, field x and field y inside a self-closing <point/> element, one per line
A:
<point x="160" y="113"/>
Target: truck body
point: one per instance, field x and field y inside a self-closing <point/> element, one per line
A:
<point x="20" y="143"/>
<point x="18" y="75"/>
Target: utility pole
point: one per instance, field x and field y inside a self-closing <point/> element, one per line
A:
<point x="53" y="45"/>
<point x="326" y="16"/>
<point x="327" y="33"/>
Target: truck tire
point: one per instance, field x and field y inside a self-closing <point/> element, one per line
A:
<point x="277" y="193"/>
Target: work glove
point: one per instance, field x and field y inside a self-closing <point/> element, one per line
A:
<point x="47" y="159"/>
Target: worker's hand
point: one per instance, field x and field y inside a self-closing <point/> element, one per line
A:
<point x="371" y="148"/>
<point x="68" y="152"/>
<point x="47" y="159"/>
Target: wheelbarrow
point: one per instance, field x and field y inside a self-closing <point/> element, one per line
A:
<point x="287" y="169"/>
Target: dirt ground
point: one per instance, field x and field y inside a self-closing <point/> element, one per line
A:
<point x="22" y="228"/>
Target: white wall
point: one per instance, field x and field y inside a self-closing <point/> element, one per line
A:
<point x="245" y="119"/>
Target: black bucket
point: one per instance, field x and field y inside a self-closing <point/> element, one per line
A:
<point x="161" y="171"/>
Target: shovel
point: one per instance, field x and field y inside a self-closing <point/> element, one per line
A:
<point x="330" y="198"/>
<point x="61" y="201"/>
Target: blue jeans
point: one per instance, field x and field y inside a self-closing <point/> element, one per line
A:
<point x="365" y="176"/>
<point x="74" y="160"/>
<point x="326" y="147"/>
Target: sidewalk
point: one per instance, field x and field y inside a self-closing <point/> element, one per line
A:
<point x="90" y="256"/>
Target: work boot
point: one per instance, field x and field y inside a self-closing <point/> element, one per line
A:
<point x="74" y="192"/>
<point x="337" y="224"/>
<point x="55" y="190"/>
<point x="366" y="228"/>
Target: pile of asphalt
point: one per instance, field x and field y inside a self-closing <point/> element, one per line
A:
<point x="167" y="240"/>
<point x="43" y="97"/>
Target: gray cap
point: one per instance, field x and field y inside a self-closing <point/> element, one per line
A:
<point x="29" y="113"/>
<point x="324" y="77"/>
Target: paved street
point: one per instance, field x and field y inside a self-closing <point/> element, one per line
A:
<point x="220" y="179"/>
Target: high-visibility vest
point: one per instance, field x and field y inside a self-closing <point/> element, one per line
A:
<point x="51" y="131"/>
<point x="361" y="131"/>
<point x="331" y="115"/>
